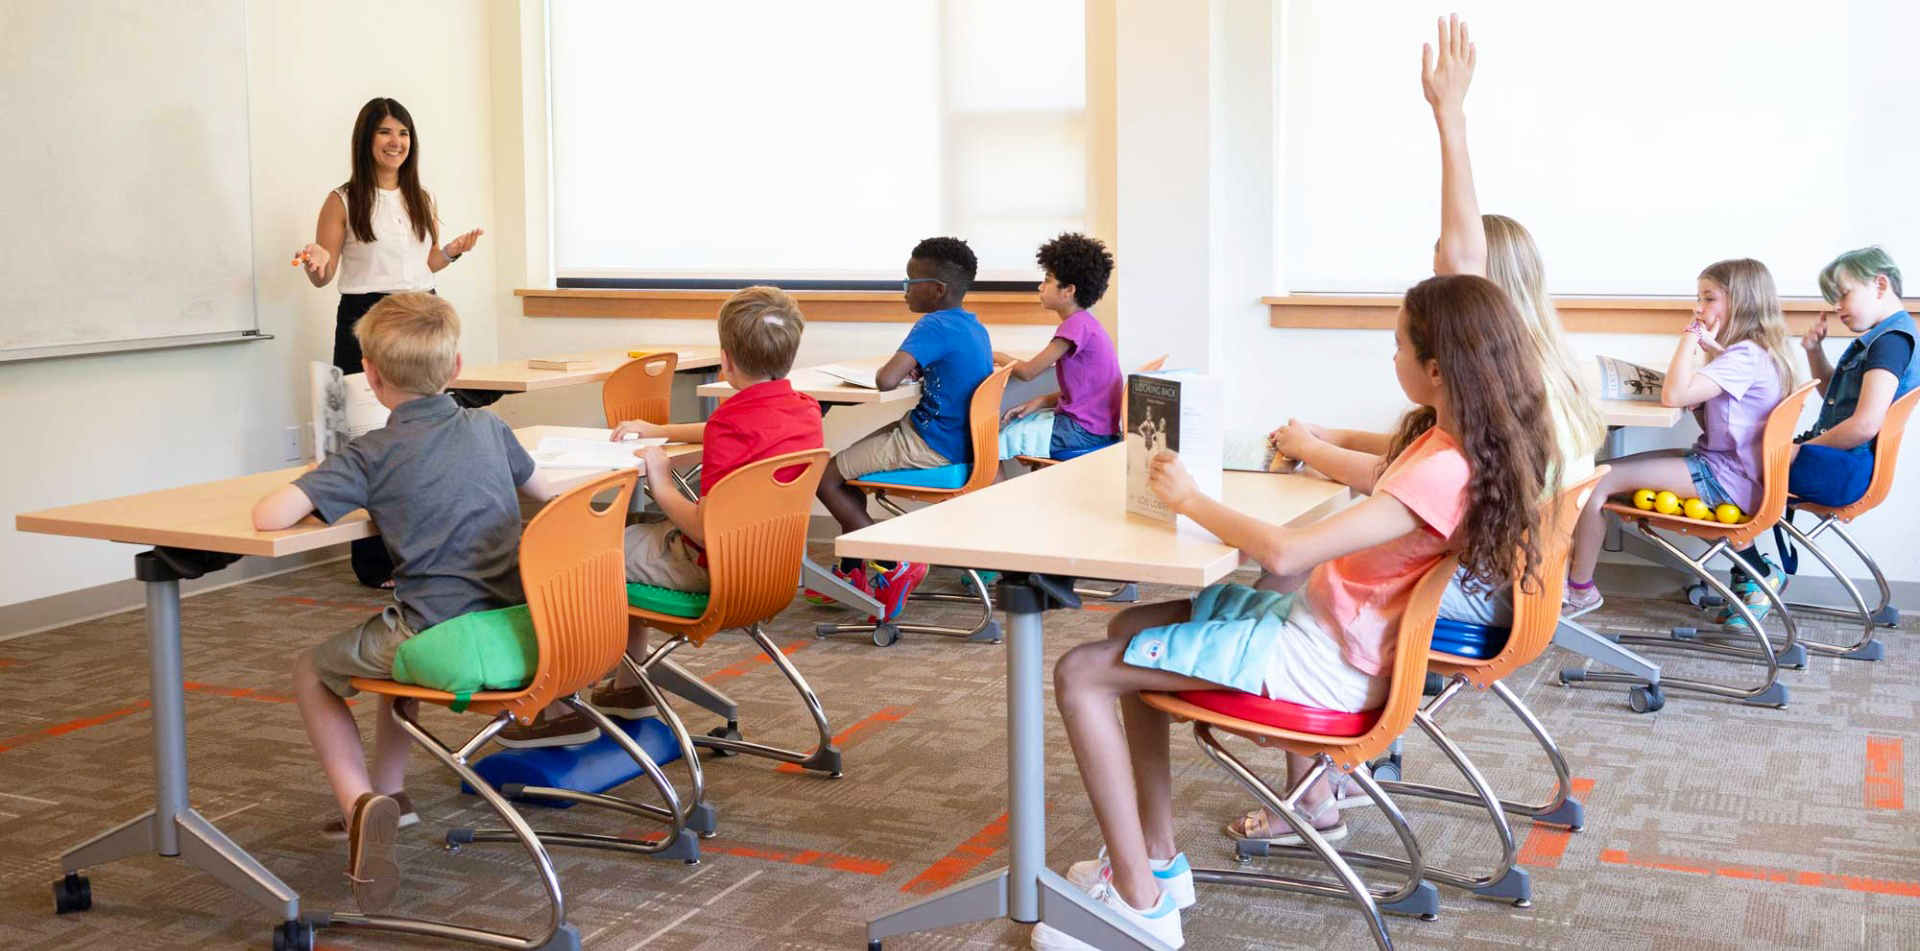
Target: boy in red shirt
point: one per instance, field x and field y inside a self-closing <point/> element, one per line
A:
<point x="760" y="331"/>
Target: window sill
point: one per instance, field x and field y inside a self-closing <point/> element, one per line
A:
<point x="992" y="307"/>
<point x="1620" y="315"/>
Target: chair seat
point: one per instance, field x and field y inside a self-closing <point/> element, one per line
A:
<point x="1698" y="528"/>
<point x="1845" y="513"/>
<point x="1281" y="714"/>
<point x="948" y="477"/>
<point x="394" y="688"/>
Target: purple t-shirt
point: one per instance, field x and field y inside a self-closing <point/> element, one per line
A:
<point x="1089" y="376"/>
<point x="1732" y="422"/>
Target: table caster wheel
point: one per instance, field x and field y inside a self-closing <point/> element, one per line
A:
<point x="72" y="893"/>
<point x="1646" y="699"/>
<point x="293" y="936"/>
<point x="885" y="635"/>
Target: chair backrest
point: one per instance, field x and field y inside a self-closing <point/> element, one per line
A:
<point x="755" y="521"/>
<point x="1535" y="613"/>
<point x="641" y="389"/>
<point x="1886" y="452"/>
<point x="1776" y="455"/>
<point x="983" y="418"/>
<point x="573" y="567"/>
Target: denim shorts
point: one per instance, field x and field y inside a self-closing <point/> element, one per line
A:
<point x="1073" y="439"/>
<point x="1704" y="482"/>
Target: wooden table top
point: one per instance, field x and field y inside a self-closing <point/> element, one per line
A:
<point x="514" y="376"/>
<point x="218" y="516"/>
<point x="1071" y="519"/>
<point x="1631" y="413"/>
<point x="829" y="389"/>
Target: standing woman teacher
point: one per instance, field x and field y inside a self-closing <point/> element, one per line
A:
<point x="380" y="234"/>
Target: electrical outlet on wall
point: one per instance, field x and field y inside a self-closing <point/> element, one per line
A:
<point x="290" y="445"/>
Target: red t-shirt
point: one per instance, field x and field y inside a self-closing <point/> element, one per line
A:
<point x="765" y="419"/>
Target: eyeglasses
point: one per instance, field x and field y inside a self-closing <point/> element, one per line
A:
<point x="906" y="286"/>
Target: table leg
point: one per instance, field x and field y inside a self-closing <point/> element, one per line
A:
<point x="1577" y="638"/>
<point x="1025" y="891"/>
<point x="823" y="581"/>
<point x="173" y="829"/>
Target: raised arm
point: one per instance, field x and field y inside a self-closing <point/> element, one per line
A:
<point x="1446" y="70"/>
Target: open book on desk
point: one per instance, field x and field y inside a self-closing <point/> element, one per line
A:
<point x="560" y="452"/>
<point x="864" y="378"/>
<point x="1620" y="380"/>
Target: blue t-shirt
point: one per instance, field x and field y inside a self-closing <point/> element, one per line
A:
<point x="954" y="356"/>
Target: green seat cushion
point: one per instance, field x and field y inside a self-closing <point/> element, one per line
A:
<point x="686" y="604"/>
<point x="485" y="650"/>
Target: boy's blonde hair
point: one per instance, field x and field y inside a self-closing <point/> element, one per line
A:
<point x="1753" y="312"/>
<point x="760" y="331"/>
<point x="412" y="339"/>
<point x="1513" y="262"/>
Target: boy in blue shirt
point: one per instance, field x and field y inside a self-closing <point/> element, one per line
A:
<point x="1834" y="461"/>
<point x="949" y="352"/>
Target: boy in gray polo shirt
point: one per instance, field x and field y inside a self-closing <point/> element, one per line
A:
<point x="439" y="481"/>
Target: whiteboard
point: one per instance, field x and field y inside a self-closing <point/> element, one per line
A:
<point x="1639" y="141"/>
<point x="125" y="175"/>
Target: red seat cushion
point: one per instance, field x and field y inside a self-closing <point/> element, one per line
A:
<point x="1279" y="713"/>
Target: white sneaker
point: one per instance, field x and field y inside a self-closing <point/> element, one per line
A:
<point x="1162" y="921"/>
<point x="1175" y="879"/>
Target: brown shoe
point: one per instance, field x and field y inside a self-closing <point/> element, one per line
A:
<point x="372" y="864"/>
<point x="335" y="830"/>
<point x="548" y="731"/>
<point x="627" y="703"/>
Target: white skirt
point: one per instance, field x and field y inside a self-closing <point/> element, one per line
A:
<point x="1306" y="668"/>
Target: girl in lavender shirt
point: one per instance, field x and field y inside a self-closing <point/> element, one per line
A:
<point x="1731" y="367"/>
<point x="1087" y="414"/>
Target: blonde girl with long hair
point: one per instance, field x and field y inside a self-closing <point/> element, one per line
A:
<point x="1731" y="366"/>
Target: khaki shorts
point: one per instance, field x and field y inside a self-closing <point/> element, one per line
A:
<point x="657" y="554"/>
<point x="898" y="446"/>
<point x="363" y="650"/>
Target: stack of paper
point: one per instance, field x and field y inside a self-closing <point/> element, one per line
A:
<point x="848" y="375"/>
<point x="559" y="363"/>
<point x="559" y="452"/>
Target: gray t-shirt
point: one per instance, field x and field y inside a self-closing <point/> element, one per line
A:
<point x="439" y="481"/>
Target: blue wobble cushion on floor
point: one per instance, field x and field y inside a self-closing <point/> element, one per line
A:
<point x="593" y="767"/>
<point x="1469" y="640"/>
<point x="945" y="477"/>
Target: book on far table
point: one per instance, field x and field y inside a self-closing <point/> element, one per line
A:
<point x="1176" y="411"/>
<point x="343" y="407"/>
<point x="1620" y="380"/>
<point x="1254" y="452"/>
<point x="559" y="363"/>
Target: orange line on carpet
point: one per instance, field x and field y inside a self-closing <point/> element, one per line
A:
<point x="759" y="660"/>
<point x="240" y="693"/>
<point x="1544" y="845"/>
<point x="1097" y="607"/>
<point x="62" y="729"/>
<point x="888" y="715"/>
<point x="961" y="862"/>
<point x="812" y="858"/>
<point x="1886" y="773"/>
<point x="1852" y="883"/>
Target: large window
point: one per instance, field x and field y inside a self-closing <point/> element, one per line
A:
<point x="767" y="139"/>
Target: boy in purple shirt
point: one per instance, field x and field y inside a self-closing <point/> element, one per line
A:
<point x="1087" y="408"/>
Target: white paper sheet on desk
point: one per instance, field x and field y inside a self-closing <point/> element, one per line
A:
<point x="856" y="377"/>
<point x="560" y="452"/>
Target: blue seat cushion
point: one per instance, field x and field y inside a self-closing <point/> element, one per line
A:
<point x="945" y="477"/>
<point x="1469" y="640"/>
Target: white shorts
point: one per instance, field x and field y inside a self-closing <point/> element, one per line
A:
<point x="1307" y="669"/>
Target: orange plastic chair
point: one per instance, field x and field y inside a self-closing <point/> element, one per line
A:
<point x="1414" y="895"/>
<point x="755" y="523"/>
<point x="983" y="421"/>
<point x="1535" y="615"/>
<point x="641" y="389"/>
<point x="1886" y="455"/>
<point x="1776" y="451"/>
<point x="572" y="567"/>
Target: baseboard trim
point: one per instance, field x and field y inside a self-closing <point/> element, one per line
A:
<point x="91" y="604"/>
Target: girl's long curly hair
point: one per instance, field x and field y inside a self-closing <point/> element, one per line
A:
<point x="1491" y="374"/>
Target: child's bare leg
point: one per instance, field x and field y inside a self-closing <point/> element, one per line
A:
<point x="333" y="732"/>
<point x="1147" y="733"/>
<point x="636" y="649"/>
<point x="1646" y="470"/>
<point x="391" y="744"/>
<point x="1087" y="683"/>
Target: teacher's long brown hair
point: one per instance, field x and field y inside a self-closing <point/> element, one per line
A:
<point x="360" y="186"/>
<point x="1492" y="375"/>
